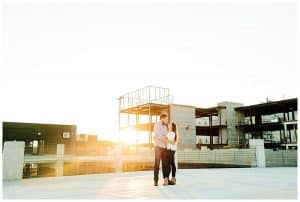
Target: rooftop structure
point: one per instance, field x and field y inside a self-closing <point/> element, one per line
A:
<point x="146" y="103"/>
<point x="144" y="96"/>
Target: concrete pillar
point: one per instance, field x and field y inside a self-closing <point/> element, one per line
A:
<point x="59" y="165"/>
<point x="13" y="160"/>
<point x="285" y="133"/>
<point x="118" y="158"/>
<point x="258" y="146"/>
<point x="228" y="117"/>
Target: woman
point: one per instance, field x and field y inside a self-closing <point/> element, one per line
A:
<point x="171" y="141"/>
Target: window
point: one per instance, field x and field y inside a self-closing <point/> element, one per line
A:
<point x="66" y="135"/>
<point x="272" y="118"/>
<point x="272" y="136"/>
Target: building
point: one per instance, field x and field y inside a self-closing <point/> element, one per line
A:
<point x="227" y="125"/>
<point x="215" y="126"/>
<point x="232" y="124"/>
<point x="41" y="138"/>
<point x="275" y="122"/>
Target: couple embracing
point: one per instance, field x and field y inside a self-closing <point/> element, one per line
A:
<point x="165" y="142"/>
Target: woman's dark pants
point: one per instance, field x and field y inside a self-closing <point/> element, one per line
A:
<point x="170" y="156"/>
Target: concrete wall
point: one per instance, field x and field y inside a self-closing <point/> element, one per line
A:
<point x="244" y="157"/>
<point x="281" y="158"/>
<point x="220" y="156"/>
<point x="228" y="116"/>
<point x="184" y="117"/>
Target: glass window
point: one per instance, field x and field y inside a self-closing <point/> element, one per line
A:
<point x="290" y="116"/>
<point x="271" y="136"/>
<point x="276" y="136"/>
<point x="247" y="120"/>
<point x="216" y="140"/>
<point x="267" y="136"/>
<point x="203" y="140"/>
<point x="203" y="121"/>
<point x="272" y="118"/>
<point x="294" y="136"/>
<point x="215" y="121"/>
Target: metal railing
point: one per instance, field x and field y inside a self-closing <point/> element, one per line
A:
<point x="149" y="94"/>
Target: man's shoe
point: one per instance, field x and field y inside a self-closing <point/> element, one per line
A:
<point x="155" y="184"/>
<point x="166" y="182"/>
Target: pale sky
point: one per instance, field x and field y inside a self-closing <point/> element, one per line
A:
<point x="68" y="61"/>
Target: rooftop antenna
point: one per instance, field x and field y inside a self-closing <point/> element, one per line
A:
<point x="266" y="99"/>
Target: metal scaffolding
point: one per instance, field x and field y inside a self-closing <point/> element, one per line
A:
<point x="149" y="101"/>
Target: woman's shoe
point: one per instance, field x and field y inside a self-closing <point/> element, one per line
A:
<point x="170" y="183"/>
<point x="173" y="180"/>
<point x="166" y="182"/>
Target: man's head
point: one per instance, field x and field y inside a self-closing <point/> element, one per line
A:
<point x="164" y="118"/>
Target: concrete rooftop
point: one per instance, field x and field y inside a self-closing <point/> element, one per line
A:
<point x="230" y="183"/>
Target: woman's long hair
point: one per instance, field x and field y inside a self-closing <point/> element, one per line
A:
<point x="174" y="129"/>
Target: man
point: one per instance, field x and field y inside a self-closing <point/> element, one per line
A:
<point x="160" y="132"/>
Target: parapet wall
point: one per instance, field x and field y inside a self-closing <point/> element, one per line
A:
<point x="242" y="157"/>
<point x="221" y="156"/>
<point x="281" y="158"/>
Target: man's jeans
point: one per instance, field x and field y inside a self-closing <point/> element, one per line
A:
<point x="160" y="154"/>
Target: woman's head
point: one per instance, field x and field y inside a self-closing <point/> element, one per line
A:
<point x="172" y="127"/>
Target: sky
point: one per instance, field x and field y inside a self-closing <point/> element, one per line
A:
<point x="68" y="61"/>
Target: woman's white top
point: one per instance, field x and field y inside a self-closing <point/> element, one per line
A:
<point x="171" y="136"/>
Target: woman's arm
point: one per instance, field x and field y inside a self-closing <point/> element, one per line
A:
<point x="173" y="141"/>
<point x="177" y="138"/>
